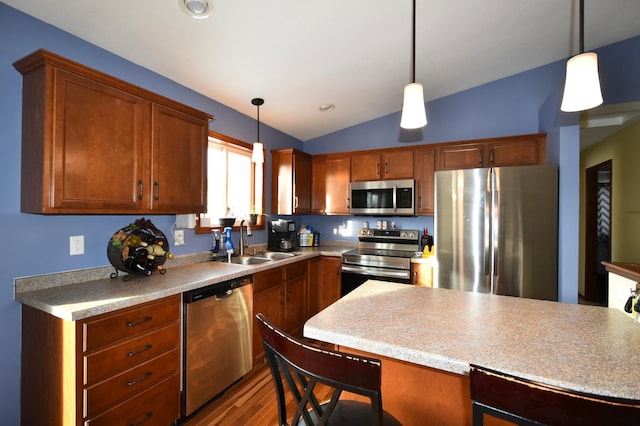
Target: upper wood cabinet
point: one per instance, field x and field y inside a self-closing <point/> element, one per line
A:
<point x="375" y="165"/>
<point x="330" y="178"/>
<point x="526" y="150"/>
<point x="290" y="181"/>
<point x="425" y="164"/>
<point x="92" y="143"/>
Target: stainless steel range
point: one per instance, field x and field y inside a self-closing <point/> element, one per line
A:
<point x="382" y="254"/>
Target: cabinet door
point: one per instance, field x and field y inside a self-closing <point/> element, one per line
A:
<point x="365" y="167"/>
<point x="179" y="168"/>
<point x="270" y="303"/>
<point x="330" y="283"/>
<point x="290" y="182"/>
<point x="330" y="178"/>
<point x="301" y="183"/>
<point x="459" y="157"/>
<point x="314" y="268"/>
<point x="425" y="175"/>
<point x="95" y="159"/>
<point x="422" y="274"/>
<point x="294" y="305"/>
<point x="513" y="153"/>
<point x="398" y="165"/>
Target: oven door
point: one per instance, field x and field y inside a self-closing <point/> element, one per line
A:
<point x="353" y="276"/>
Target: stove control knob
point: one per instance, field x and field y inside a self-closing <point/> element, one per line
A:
<point x="370" y="233"/>
<point x="411" y="235"/>
<point x="403" y="234"/>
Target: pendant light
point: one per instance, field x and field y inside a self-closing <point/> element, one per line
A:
<point x="413" y="110"/>
<point x="257" y="155"/>
<point x="582" y="85"/>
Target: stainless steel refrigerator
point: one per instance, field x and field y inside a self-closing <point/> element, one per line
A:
<point x="496" y="231"/>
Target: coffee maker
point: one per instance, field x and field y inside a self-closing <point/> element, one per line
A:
<point x="282" y="235"/>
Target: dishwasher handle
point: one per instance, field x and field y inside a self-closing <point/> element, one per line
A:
<point x="224" y="294"/>
<point x="220" y="290"/>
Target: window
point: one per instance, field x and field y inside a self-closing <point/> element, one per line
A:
<point x="235" y="185"/>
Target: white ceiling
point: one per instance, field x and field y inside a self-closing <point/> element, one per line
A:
<point x="300" y="54"/>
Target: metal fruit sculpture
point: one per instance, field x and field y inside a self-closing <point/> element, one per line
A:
<point x="139" y="248"/>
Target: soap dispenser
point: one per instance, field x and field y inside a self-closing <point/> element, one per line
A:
<point x="228" y="244"/>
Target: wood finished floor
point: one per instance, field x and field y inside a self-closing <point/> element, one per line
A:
<point x="251" y="401"/>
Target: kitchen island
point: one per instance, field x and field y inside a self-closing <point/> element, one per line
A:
<point x="428" y="337"/>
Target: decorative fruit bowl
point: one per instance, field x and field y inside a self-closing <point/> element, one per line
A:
<point x="138" y="249"/>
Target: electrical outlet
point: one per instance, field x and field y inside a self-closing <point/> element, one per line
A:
<point x="76" y="245"/>
<point x="178" y="237"/>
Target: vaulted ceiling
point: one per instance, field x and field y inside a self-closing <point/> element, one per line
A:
<point x="299" y="55"/>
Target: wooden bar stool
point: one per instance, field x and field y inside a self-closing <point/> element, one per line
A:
<point x="526" y="402"/>
<point x="302" y="365"/>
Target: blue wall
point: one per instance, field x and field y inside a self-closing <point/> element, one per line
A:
<point x="34" y="244"/>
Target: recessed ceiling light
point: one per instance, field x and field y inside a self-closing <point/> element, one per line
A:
<point x="327" y="107"/>
<point x="199" y="9"/>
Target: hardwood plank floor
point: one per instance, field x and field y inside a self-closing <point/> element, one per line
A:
<point x="251" y="401"/>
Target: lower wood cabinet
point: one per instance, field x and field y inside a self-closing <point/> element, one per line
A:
<point x="330" y="281"/>
<point x="119" y="368"/>
<point x="422" y="274"/>
<point x="291" y="294"/>
<point x="280" y="295"/>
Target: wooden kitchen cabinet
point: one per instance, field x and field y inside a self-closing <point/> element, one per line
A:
<point x="330" y="184"/>
<point x="382" y="165"/>
<point x="314" y="271"/>
<point x="525" y="150"/>
<point x="425" y="164"/>
<point x="290" y="182"/>
<point x="422" y="274"/>
<point x="280" y="295"/>
<point x="330" y="281"/>
<point x="121" y="367"/>
<point x="92" y="143"/>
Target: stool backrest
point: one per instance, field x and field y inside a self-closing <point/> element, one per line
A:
<point x="302" y="365"/>
<point x="526" y="402"/>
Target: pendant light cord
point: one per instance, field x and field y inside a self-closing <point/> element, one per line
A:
<point x="413" y="42"/>
<point x="258" y="123"/>
<point x="581" y="26"/>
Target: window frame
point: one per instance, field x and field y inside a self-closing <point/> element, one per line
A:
<point x="244" y="146"/>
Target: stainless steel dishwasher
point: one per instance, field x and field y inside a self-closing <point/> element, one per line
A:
<point x="217" y="339"/>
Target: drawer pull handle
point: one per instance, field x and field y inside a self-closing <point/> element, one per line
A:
<point x="139" y="351"/>
<point x="140" y="321"/>
<point x="141" y="186"/>
<point x="139" y="379"/>
<point x="156" y="185"/>
<point x="143" y="421"/>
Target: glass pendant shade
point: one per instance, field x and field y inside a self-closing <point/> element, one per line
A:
<point x="414" y="115"/>
<point x="582" y="85"/>
<point x="257" y="155"/>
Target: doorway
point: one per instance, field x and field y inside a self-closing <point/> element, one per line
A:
<point x="598" y="232"/>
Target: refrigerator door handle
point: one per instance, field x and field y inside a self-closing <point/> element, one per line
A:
<point x="487" y="229"/>
<point x="495" y="227"/>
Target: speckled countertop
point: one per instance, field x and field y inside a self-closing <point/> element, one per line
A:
<point x="77" y="295"/>
<point x="583" y="348"/>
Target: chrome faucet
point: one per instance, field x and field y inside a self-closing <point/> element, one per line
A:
<point x="242" y="244"/>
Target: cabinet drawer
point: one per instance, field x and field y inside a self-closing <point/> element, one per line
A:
<point x="295" y="270"/>
<point x="267" y="279"/>
<point x="109" y="328"/>
<point x="100" y="365"/>
<point x="127" y="384"/>
<point x="158" y="405"/>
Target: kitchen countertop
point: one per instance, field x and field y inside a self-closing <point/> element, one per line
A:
<point x="584" y="348"/>
<point x="625" y="269"/>
<point x="63" y="298"/>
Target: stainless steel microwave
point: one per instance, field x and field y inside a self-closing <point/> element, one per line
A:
<point x="383" y="198"/>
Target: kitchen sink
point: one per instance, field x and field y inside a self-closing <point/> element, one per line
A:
<point x="274" y="255"/>
<point x="249" y="260"/>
